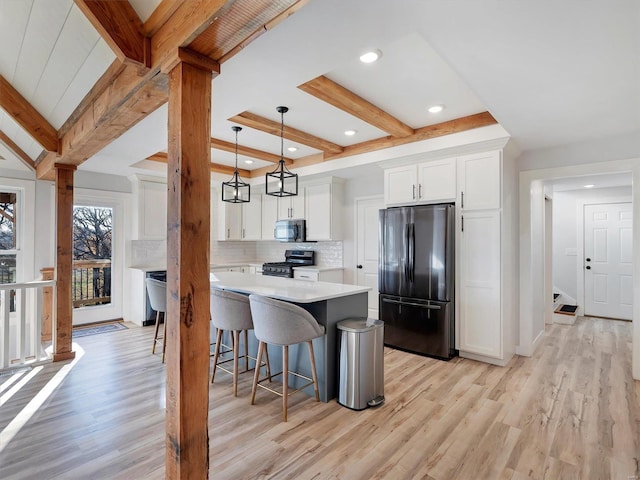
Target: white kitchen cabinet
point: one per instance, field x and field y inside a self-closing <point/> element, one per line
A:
<point x="480" y="296"/>
<point x="437" y="181"/>
<point x="318" y="275"/>
<point x="291" y="207"/>
<point x="400" y="185"/>
<point x="252" y="218"/>
<point x="151" y="212"/>
<point x="479" y="181"/>
<point x="269" y="216"/>
<point x="425" y="182"/>
<point x="486" y="231"/>
<point x="229" y="221"/>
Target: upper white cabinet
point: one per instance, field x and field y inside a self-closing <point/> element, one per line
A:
<point x="323" y="202"/>
<point x="269" y="215"/>
<point x="291" y="207"/>
<point x="252" y="218"/>
<point x="151" y="211"/>
<point x="229" y="220"/>
<point x="479" y="181"/>
<point x="426" y="182"/>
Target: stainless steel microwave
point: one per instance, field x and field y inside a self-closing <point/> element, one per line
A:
<point x="294" y="230"/>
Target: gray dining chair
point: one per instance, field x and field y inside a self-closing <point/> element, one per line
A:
<point x="281" y="323"/>
<point x="157" y="291"/>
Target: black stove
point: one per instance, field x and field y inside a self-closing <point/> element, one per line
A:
<point x="293" y="258"/>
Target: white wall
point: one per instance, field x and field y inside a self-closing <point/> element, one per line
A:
<point x="565" y="234"/>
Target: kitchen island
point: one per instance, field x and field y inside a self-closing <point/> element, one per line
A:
<point x="329" y="303"/>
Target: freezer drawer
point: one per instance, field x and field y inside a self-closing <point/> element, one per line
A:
<point x="418" y="326"/>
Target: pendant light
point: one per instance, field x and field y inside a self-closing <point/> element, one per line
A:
<point x="281" y="182"/>
<point x="236" y="190"/>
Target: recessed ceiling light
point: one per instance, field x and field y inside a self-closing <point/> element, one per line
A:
<point x="591" y="185"/>
<point x="248" y="161"/>
<point x="292" y="149"/>
<point x="350" y="133"/>
<point x="371" y="56"/>
<point x="436" y="109"/>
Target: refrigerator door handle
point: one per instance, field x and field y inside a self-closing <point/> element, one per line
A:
<point x="412" y="243"/>
<point x="413" y="304"/>
<point x="407" y="266"/>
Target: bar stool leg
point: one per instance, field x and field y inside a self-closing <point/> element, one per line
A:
<point x="155" y="336"/>
<point x="285" y="380"/>
<point x="164" y="335"/>
<point x="256" y="375"/>
<point x="313" y="370"/>
<point x="266" y="351"/>
<point x="246" y="350"/>
<point x="236" y="350"/>
<point x="216" y="354"/>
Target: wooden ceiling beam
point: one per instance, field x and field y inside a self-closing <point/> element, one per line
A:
<point x="162" y="157"/>
<point x="257" y="122"/>
<point x="27" y="117"/>
<point x="186" y="23"/>
<point x="159" y="16"/>
<point x="118" y="24"/>
<point x="424" y="133"/>
<point x="329" y="91"/>
<point x="430" y="131"/>
<point x="225" y="146"/>
<point x="22" y="156"/>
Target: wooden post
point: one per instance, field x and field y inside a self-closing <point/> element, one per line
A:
<point x="64" y="262"/>
<point x="188" y="212"/>
<point x="47" y="305"/>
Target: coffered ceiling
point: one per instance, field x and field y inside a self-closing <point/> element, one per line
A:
<point x="549" y="76"/>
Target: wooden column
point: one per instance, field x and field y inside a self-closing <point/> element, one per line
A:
<point x="188" y="212"/>
<point x="64" y="262"/>
<point x="47" y="305"/>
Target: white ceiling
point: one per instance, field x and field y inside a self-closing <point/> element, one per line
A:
<point x="550" y="73"/>
<point x="598" y="181"/>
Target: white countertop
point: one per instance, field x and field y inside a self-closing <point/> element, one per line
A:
<point x="287" y="289"/>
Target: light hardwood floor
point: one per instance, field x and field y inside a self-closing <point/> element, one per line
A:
<point x="571" y="411"/>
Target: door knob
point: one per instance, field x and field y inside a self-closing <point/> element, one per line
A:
<point x="359" y="266"/>
<point x="588" y="259"/>
<point x="588" y="267"/>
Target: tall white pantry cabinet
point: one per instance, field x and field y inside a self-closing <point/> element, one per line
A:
<point x="485" y="239"/>
<point x="483" y="187"/>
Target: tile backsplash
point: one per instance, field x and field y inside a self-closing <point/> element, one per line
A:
<point x="328" y="254"/>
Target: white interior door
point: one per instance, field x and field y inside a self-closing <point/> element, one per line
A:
<point x="367" y="248"/>
<point x="608" y="283"/>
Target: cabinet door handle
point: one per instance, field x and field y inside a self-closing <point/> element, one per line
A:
<point x="228" y="233"/>
<point x="461" y="199"/>
<point x="419" y="190"/>
<point x="462" y="224"/>
<point x="414" y="191"/>
<point x="243" y="233"/>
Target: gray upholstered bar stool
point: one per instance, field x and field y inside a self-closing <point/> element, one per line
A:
<point x="281" y="323"/>
<point x="231" y="312"/>
<point x="157" y="291"/>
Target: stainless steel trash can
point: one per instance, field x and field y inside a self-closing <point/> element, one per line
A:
<point x="361" y="363"/>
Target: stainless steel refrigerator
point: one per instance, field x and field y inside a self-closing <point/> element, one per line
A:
<point x="416" y="279"/>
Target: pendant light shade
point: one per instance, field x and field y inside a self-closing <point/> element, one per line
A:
<point x="236" y="190"/>
<point x="281" y="182"/>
